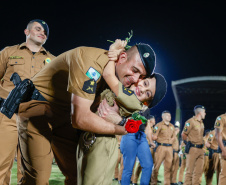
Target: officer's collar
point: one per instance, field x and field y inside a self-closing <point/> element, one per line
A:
<point x="197" y="119"/>
<point x="23" y="46"/>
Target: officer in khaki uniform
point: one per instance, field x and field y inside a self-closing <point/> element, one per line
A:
<point x="73" y="77"/>
<point x="164" y="134"/>
<point x="214" y="158"/>
<point x="175" y="163"/>
<point x="183" y="163"/>
<point x="26" y="59"/>
<point x="193" y="133"/>
<point x="220" y="134"/>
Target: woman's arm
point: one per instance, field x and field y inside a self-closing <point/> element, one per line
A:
<point x="109" y="71"/>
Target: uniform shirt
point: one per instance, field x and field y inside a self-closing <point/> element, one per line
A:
<point x="221" y="124"/>
<point x="164" y="132"/>
<point x="126" y="100"/>
<point x="175" y="143"/>
<point x="20" y="59"/>
<point x="76" y="71"/>
<point x="194" y="129"/>
<point x="212" y="140"/>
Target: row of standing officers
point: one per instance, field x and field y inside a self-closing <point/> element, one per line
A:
<point x="199" y="153"/>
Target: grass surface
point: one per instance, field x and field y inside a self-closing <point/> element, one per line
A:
<point x="57" y="177"/>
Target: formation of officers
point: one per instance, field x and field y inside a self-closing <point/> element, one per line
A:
<point x="198" y="152"/>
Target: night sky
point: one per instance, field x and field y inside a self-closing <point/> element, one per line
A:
<point x="188" y="38"/>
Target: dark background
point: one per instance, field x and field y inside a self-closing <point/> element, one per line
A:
<point x="187" y="36"/>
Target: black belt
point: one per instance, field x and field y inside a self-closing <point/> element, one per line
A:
<point x="104" y="135"/>
<point x="164" y="144"/>
<point x="215" y="151"/>
<point x="196" y="146"/>
<point x="176" y="151"/>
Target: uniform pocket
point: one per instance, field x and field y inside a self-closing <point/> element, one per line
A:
<point x="17" y="65"/>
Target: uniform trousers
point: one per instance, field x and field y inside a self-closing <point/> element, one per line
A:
<point x="214" y="165"/>
<point x="97" y="164"/>
<point x="182" y="168"/>
<point x="45" y="129"/>
<point x="174" y="168"/>
<point x="222" y="176"/>
<point x="162" y="153"/>
<point x="9" y="148"/>
<point x="136" y="145"/>
<point x="194" y="166"/>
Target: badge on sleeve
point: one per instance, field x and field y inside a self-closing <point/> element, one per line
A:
<point x="185" y="129"/>
<point x="217" y="124"/>
<point x="127" y="91"/>
<point x="90" y="86"/>
<point x="187" y="124"/>
<point x="155" y="129"/>
<point x="218" y="118"/>
<point x="93" y="74"/>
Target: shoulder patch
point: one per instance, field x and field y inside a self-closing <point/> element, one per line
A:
<point x="187" y="124"/>
<point x="185" y="129"/>
<point x="217" y="124"/>
<point x="127" y="91"/>
<point x="90" y="86"/>
<point x="218" y="118"/>
<point x="93" y="74"/>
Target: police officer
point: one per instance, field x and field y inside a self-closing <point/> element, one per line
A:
<point x="175" y="163"/>
<point x="220" y="129"/>
<point x="164" y="135"/>
<point x="193" y="133"/>
<point x="74" y="80"/>
<point x="214" y="158"/>
<point x="26" y="59"/>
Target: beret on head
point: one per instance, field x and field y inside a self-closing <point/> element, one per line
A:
<point x="161" y="88"/>
<point x="43" y="24"/>
<point x="199" y="106"/>
<point x="166" y="111"/>
<point x="148" y="57"/>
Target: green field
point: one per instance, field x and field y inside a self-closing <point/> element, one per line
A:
<point x="58" y="179"/>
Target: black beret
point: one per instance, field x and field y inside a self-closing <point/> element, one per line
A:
<point x="148" y="58"/>
<point x="43" y="24"/>
<point x="161" y="87"/>
<point x="166" y="111"/>
<point x="199" y="106"/>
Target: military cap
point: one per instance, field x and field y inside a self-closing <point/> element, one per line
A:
<point x="161" y="88"/>
<point x="199" y="106"/>
<point x="43" y="24"/>
<point x="148" y="57"/>
<point x="166" y="111"/>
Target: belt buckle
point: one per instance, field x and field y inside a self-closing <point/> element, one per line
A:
<point x="195" y="145"/>
<point x="161" y="144"/>
<point x="88" y="139"/>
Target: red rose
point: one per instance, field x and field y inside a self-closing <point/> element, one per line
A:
<point x="132" y="126"/>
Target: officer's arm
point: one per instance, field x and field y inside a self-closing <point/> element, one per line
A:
<point x="148" y="132"/>
<point x="184" y="136"/>
<point x="3" y="64"/>
<point x="219" y="139"/>
<point x="84" y="119"/>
